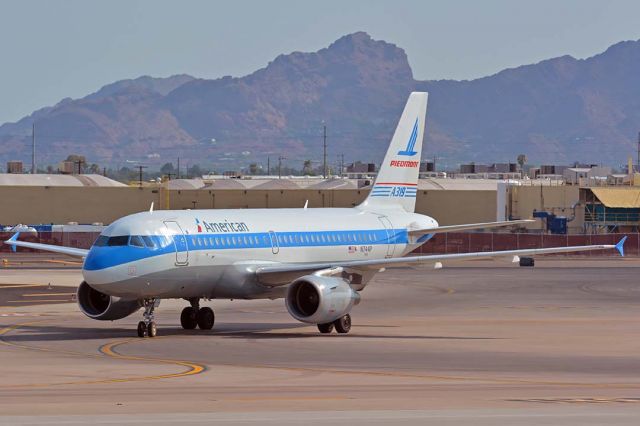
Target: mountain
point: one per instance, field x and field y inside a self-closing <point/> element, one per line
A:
<point x="557" y="111"/>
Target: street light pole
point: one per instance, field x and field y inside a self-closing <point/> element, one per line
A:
<point x="324" y="146"/>
<point x="280" y="166"/>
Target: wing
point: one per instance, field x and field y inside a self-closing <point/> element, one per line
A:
<point x="71" y="251"/>
<point x="283" y="274"/>
<point x="467" y="227"/>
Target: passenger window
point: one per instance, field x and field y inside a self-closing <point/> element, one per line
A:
<point x="136" y="241"/>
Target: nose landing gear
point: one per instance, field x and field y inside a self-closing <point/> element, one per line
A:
<point x="194" y="315"/>
<point x="148" y="326"/>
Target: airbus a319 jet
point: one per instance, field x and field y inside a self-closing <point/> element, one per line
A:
<point x="318" y="259"/>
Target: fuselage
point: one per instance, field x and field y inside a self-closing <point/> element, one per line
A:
<point x="212" y="253"/>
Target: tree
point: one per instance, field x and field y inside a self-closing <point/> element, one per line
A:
<point x="195" y="171"/>
<point x="168" y="169"/>
<point x="307" y="168"/>
<point x="94" y="169"/>
<point x="522" y="160"/>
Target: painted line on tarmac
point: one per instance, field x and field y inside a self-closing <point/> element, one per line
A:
<point x="577" y="400"/>
<point x="47" y="294"/>
<point x="2" y="286"/>
<point x="106" y="350"/>
<point x="40" y="301"/>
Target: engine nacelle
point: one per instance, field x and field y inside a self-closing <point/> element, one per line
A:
<point x="100" y="306"/>
<point x="319" y="300"/>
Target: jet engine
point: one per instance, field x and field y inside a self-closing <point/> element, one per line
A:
<point x="100" y="306"/>
<point x="319" y="299"/>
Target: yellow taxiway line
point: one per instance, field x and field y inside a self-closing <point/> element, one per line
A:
<point x="108" y="350"/>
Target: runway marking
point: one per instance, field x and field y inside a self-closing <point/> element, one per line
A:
<point x="442" y="290"/>
<point x="577" y="400"/>
<point x="20" y="285"/>
<point x="107" y="350"/>
<point x="64" y="262"/>
<point x="37" y="300"/>
<point x="47" y="294"/>
<point x="513" y="381"/>
<point x="291" y="398"/>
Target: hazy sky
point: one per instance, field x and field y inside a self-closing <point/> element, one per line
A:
<point x="50" y="50"/>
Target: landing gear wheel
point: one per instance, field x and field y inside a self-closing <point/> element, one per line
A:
<point x="188" y="318"/>
<point x="205" y="318"/>
<point x="152" y="330"/>
<point x="343" y="325"/>
<point x="325" y="328"/>
<point x="142" y="329"/>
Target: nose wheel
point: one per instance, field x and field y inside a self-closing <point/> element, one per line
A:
<point x="194" y="316"/>
<point x="148" y="327"/>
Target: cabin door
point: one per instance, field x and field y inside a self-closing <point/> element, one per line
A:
<point x="179" y="242"/>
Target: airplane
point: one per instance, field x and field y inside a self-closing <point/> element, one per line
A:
<point x="318" y="259"/>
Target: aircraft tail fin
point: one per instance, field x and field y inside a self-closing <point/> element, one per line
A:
<point x="397" y="182"/>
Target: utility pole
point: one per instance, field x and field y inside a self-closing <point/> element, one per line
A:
<point x="434" y="163"/>
<point x="324" y="145"/>
<point x="638" y="163"/>
<point x="341" y="164"/>
<point x="33" y="149"/>
<point x="140" y="171"/>
<point x="268" y="166"/>
<point x="79" y="163"/>
<point x="178" y="172"/>
<point x="280" y="165"/>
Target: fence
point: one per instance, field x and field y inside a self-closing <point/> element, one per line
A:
<point x="453" y="242"/>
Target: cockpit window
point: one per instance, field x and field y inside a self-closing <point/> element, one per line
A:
<point x="101" y="241"/>
<point x="120" y="240"/>
<point x="136" y="241"/>
<point x="149" y="241"/>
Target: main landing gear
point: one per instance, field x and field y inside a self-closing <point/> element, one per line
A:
<point x="342" y="325"/>
<point x="148" y="326"/>
<point x="194" y="315"/>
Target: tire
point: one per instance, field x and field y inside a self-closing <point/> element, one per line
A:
<point x="206" y="318"/>
<point x="343" y="324"/>
<point x="152" y="330"/>
<point x="325" y="328"/>
<point x="188" y="318"/>
<point x="142" y="329"/>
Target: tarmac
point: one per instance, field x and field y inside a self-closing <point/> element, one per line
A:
<point x="481" y="342"/>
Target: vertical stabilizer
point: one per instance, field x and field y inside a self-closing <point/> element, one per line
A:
<point x="396" y="185"/>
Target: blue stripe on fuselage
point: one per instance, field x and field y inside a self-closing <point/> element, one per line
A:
<point x="101" y="257"/>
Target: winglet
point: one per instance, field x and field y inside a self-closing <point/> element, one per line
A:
<point x="12" y="239"/>
<point x="620" y="246"/>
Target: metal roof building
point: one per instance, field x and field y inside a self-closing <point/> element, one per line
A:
<point x="10" y="179"/>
